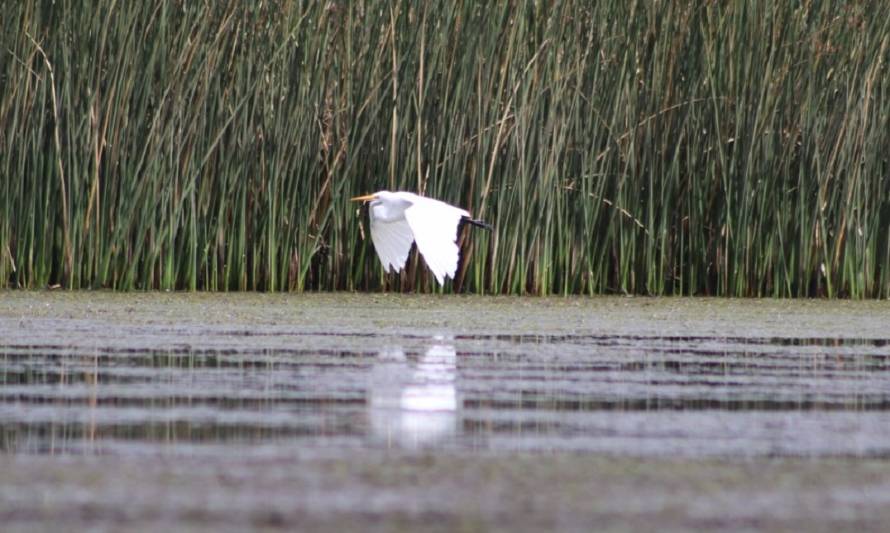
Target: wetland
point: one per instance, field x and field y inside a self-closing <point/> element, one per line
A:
<point x="381" y="411"/>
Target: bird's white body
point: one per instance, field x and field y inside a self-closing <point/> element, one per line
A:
<point x="401" y="218"/>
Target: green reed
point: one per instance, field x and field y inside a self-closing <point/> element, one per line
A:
<point x="734" y="148"/>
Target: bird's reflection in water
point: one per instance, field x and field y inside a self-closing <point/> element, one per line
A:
<point x="412" y="401"/>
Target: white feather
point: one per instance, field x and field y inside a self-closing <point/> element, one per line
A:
<point x="400" y="218"/>
<point x="392" y="240"/>
<point x="434" y="224"/>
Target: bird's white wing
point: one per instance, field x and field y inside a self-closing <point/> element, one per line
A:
<point x="392" y="240"/>
<point x="434" y="225"/>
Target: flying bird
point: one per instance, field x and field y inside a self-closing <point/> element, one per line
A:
<point x="401" y="218"/>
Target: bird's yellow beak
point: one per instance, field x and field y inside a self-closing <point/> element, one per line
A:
<point x="365" y="198"/>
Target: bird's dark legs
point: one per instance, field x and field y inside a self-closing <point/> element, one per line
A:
<point x="477" y="223"/>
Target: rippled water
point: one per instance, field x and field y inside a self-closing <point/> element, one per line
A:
<point x="104" y="373"/>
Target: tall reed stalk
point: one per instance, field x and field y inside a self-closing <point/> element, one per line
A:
<point x="729" y="148"/>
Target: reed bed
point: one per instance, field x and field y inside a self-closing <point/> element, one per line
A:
<point x="720" y="148"/>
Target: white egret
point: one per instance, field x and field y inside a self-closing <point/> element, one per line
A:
<point x="400" y="218"/>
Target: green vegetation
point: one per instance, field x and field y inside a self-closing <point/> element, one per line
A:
<point x="732" y="148"/>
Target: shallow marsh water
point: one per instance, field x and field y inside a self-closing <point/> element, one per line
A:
<point x="388" y="406"/>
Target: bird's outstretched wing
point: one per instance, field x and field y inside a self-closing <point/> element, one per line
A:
<point x="392" y="240"/>
<point x="434" y="225"/>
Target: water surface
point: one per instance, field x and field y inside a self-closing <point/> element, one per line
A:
<point x="92" y="373"/>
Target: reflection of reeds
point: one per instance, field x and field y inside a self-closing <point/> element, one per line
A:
<point x="736" y="149"/>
